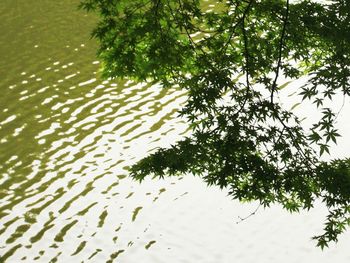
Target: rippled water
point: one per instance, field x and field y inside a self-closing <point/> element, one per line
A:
<point x="66" y="139"/>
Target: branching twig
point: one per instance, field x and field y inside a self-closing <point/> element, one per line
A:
<point x="283" y="33"/>
<point x="241" y="219"/>
<point x="234" y="26"/>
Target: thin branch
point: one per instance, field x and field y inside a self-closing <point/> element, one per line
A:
<point x="241" y="219"/>
<point x="341" y="108"/>
<point x="240" y="21"/>
<point x="246" y="55"/>
<point x="283" y="33"/>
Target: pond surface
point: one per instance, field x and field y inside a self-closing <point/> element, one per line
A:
<point x="66" y="140"/>
<point x="66" y="137"/>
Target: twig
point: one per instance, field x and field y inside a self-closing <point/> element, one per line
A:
<point x="273" y="88"/>
<point x="241" y="219"/>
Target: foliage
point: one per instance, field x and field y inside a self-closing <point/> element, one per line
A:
<point x="230" y="60"/>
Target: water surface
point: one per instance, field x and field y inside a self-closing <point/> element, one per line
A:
<point x="67" y="137"/>
<point x="66" y="140"/>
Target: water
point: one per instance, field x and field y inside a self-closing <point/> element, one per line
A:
<point x="66" y="137"/>
<point x="66" y="140"/>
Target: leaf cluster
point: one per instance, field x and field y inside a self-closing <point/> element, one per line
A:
<point x="230" y="59"/>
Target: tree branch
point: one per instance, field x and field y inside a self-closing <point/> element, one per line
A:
<point x="283" y="33"/>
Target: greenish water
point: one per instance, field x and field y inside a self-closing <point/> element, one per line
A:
<point x="66" y="137"/>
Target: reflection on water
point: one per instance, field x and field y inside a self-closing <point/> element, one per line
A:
<point x="66" y="138"/>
